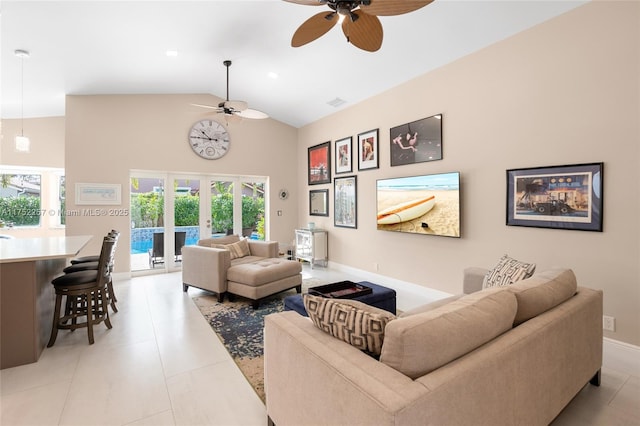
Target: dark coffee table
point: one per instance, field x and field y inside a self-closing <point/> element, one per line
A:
<point x="380" y="297"/>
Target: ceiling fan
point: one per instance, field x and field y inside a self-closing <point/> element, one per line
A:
<point x="232" y="109"/>
<point x="360" y="24"/>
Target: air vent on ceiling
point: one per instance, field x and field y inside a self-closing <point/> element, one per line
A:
<point x="337" y="102"/>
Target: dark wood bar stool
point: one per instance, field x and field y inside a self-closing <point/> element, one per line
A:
<point x="91" y="262"/>
<point x="86" y="295"/>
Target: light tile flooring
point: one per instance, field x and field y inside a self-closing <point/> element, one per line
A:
<point x="161" y="364"/>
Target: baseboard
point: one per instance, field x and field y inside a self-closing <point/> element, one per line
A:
<point x="408" y="295"/>
<point x="620" y="356"/>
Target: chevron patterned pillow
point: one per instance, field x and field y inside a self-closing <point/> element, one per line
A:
<point x="354" y="322"/>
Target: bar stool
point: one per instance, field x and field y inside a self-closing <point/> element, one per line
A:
<point x="86" y="296"/>
<point x="86" y="263"/>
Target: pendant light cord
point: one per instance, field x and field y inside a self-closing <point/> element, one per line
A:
<point x="22" y="96"/>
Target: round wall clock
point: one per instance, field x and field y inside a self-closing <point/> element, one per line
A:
<point x="209" y="139"/>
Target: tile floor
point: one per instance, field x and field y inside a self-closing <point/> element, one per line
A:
<point x="161" y="364"/>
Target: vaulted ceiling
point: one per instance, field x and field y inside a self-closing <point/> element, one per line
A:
<point x="118" y="47"/>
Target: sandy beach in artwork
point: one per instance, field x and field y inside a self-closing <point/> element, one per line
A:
<point x="443" y="219"/>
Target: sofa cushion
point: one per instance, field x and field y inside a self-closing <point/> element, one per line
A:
<point x="227" y="239"/>
<point x="236" y="250"/>
<point x="542" y="292"/>
<point x="354" y="322"/>
<point x="508" y="271"/>
<point x="418" y="344"/>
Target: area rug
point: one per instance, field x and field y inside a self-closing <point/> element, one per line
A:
<point x="240" y="328"/>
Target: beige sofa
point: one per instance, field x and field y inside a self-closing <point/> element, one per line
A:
<point x="514" y="355"/>
<point x="256" y="275"/>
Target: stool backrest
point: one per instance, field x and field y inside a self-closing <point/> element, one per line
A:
<point x="105" y="264"/>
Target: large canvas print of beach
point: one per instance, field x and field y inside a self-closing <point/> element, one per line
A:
<point x="404" y="200"/>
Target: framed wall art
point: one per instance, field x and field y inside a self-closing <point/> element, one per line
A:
<point x="98" y="194"/>
<point x="416" y="142"/>
<point x="561" y="197"/>
<point x="319" y="162"/>
<point x="319" y="202"/>
<point x="343" y="155"/>
<point x="368" y="153"/>
<point x="345" y="203"/>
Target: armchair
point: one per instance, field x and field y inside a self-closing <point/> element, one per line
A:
<point x="259" y="274"/>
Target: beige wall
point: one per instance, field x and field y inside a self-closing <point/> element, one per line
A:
<point x="107" y="136"/>
<point x="564" y="92"/>
<point x="47" y="142"/>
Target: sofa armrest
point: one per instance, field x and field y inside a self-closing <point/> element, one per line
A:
<point x="473" y="278"/>
<point x="263" y="248"/>
<point x="205" y="268"/>
<point x="328" y="380"/>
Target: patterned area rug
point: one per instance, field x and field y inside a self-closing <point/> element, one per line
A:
<point x="240" y="328"/>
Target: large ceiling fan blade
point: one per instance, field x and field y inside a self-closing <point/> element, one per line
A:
<point x="363" y="31"/>
<point x="252" y="113"/>
<point x="313" y="28"/>
<point x="205" y="106"/>
<point x="393" y="7"/>
<point x="308" y="2"/>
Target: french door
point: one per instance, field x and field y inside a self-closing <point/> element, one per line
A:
<point x="202" y="206"/>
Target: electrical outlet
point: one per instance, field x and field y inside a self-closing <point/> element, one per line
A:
<point x="608" y="323"/>
<point x="375" y="266"/>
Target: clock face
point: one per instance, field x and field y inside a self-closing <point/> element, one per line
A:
<point x="209" y="139"/>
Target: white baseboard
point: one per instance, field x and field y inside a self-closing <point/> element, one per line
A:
<point x="620" y="356"/>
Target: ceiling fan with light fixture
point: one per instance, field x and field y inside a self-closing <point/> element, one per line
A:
<point x="358" y="18"/>
<point x="234" y="108"/>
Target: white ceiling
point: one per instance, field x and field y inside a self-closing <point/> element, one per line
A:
<point x="117" y="47"/>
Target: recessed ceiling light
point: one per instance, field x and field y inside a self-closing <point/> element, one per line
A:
<point x="273" y="75"/>
<point x="172" y="53"/>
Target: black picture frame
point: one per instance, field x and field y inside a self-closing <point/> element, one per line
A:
<point x="416" y="142"/>
<point x="344" y="155"/>
<point x="319" y="164"/>
<point x="368" y="150"/>
<point x="345" y="202"/>
<point x="558" y="197"/>
<point x="319" y="202"/>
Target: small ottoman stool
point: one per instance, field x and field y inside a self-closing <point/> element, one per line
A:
<point x="381" y="297"/>
<point x="262" y="278"/>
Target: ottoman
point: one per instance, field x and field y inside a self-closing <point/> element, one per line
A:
<point x="381" y="297"/>
<point x="261" y="278"/>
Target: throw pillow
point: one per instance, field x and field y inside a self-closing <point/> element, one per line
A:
<point x="354" y="322"/>
<point x="236" y="250"/>
<point x="508" y="271"/>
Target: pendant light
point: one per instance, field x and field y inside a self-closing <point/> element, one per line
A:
<point x="22" y="142"/>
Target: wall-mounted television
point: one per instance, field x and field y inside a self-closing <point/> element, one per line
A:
<point x="426" y="204"/>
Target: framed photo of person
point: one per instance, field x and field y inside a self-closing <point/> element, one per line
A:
<point x="319" y="162"/>
<point x="368" y="153"/>
<point x="343" y="155"/>
<point x="416" y="142"/>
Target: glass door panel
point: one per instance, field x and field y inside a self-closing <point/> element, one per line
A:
<point x="186" y="215"/>
<point x="222" y="200"/>
<point x="253" y="217"/>
<point x="147" y="222"/>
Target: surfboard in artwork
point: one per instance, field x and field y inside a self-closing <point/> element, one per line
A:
<point x="407" y="210"/>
